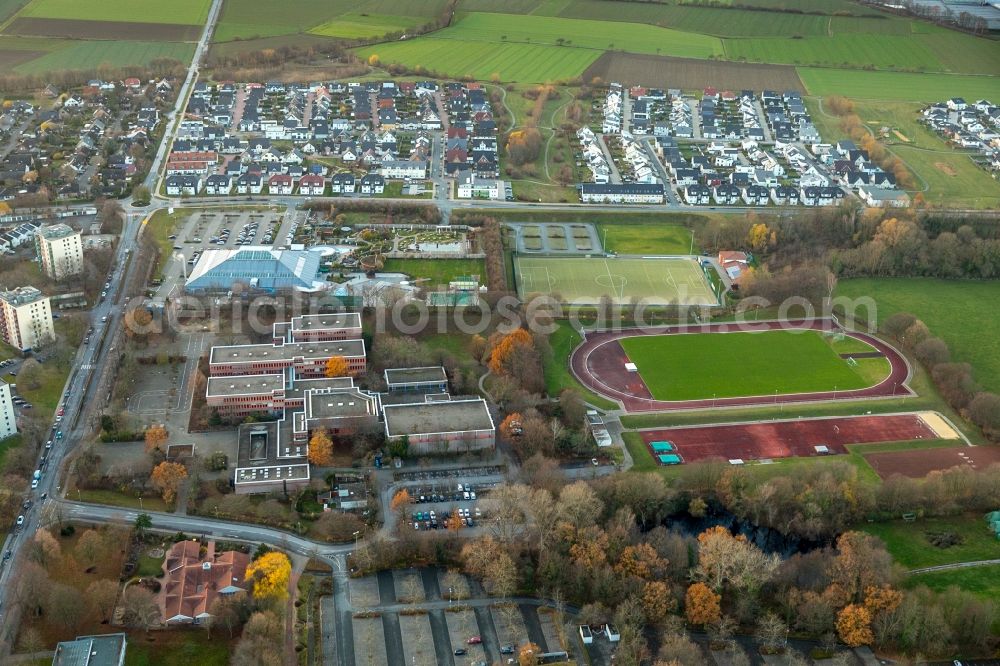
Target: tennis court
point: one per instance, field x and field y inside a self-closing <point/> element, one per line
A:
<point x="585" y="280"/>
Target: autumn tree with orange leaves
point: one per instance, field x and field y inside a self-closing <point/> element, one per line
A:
<point x="701" y="604"/>
<point x="511" y="426"/>
<point x="514" y="355"/>
<point x="401" y="500"/>
<point x="524" y="145"/>
<point x="321" y="448"/>
<point x="854" y="626"/>
<point x="167" y="477"/>
<point x="337" y="366"/>
<point x="156" y="437"/>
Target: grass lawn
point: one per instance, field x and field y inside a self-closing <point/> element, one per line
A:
<point x="112" y="498"/>
<point x="695" y="366"/>
<point x="183" y="12"/>
<point x="149" y="566"/>
<point x="910" y="546"/>
<point x="557" y="374"/>
<point x="436" y="271"/>
<point x="983" y="581"/>
<point x="162" y="225"/>
<point x="44" y="399"/>
<point x="960" y="312"/>
<point x="645" y="239"/>
<point x="178" y="647"/>
<point x="859" y="84"/>
<point x="7" y="444"/>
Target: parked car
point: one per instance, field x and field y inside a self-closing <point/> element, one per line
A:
<point x="474" y="640"/>
<point x="459" y="652"/>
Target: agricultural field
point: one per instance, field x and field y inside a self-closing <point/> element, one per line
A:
<point x="691" y="74"/>
<point x="696" y="366"/>
<point x="89" y="55"/>
<point x="527" y="63"/>
<point x="858" y="50"/>
<point x="364" y="26"/>
<point x="896" y="85"/>
<point x="959" y="312"/>
<point x="248" y="19"/>
<point x="585" y="34"/>
<point x="183" y="12"/>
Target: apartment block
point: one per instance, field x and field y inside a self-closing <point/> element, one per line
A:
<point x="60" y="251"/>
<point x="25" y="318"/>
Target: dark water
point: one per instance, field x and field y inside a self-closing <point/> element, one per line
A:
<point x="767" y="539"/>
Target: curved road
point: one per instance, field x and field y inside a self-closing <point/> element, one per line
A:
<point x="605" y="374"/>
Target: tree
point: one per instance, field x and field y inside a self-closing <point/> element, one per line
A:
<point x="226" y="612"/>
<point x="167" y="477"/>
<point x="701" y="604"/>
<point x="64" y="606"/>
<point x="401" y="500"/>
<point x="45" y="549"/>
<point x="261" y="642"/>
<point x="321" y="448"/>
<point x="984" y="411"/>
<point x="772" y="632"/>
<point x="102" y="595"/>
<point x="528" y="654"/>
<point x="270" y="574"/>
<point x="139" y="607"/>
<point x="142" y="523"/>
<point x="727" y="559"/>
<point x="854" y="625"/>
<point x="861" y="562"/>
<point x="641" y="561"/>
<point x="373" y="60"/>
<point x="156" y="437"/>
<point x="92" y="547"/>
<point x="511" y="427"/>
<point x="657" y="601"/>
<point x="579" y="505"/>
<point x="337" y="366"/>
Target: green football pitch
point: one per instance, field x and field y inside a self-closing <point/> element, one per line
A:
<point x="728" y="365"/>
<point x="584" y="280"/>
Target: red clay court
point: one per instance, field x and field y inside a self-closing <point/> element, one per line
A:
<point x="918" y="464"/>
<point x="783" y="439"/>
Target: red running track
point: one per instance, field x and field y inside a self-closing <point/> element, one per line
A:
<point x="782" y="439"/>
<point x="599" y="364"/>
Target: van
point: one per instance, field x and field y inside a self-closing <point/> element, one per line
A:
<point x="37" y="475"/>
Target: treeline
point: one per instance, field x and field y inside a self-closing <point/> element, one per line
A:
<point x="874" y="243"/>
<point x="954" y="381"/>
<point x="852" y="125"/>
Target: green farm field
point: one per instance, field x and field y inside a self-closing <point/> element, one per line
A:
<point x="960" y="312"/>
<point x="79" y="54"/>
<point x="578" y="33"/>
<point x="364" y="26"/>
<point x="183" y="12"/>
<point x="528" y="63"/>
<point x="896" y="85"/>
<point x="582" y="281"/>
<point x="244" y="19"/>
<point x="934" y="53"/>
<point x="698" y="366"/>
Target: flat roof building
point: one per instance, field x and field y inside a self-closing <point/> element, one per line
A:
<point x="319" y="328"/>
<point x="101" y="650"/>
<point x="60" y="251"/>
<point x="415" y="380"/>
<point x="8" y="418"/>
<point x="25" y="318"/>
<point x="306" y="358"/>
<point x="441" y="426"/>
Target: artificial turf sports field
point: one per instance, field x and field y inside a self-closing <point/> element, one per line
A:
<point x="584" y="280"/>
<point x="730" y="365"/>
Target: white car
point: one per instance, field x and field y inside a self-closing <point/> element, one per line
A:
<point x="34" y="483"/>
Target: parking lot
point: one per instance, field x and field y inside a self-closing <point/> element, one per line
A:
<point x="434" y="503"/>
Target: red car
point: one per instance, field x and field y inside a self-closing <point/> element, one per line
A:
<point x="475" y="640"/>
<point x="61" y="412"/>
